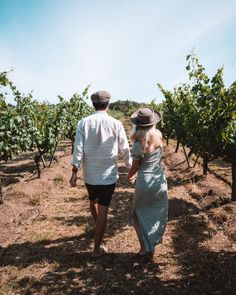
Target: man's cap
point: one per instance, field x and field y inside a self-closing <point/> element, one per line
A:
<point x="100" y="97"/>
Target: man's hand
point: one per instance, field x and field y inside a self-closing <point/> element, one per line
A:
<point x="73" y="179"/>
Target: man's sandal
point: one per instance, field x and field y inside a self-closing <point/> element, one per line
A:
<point x="102" y="250"/>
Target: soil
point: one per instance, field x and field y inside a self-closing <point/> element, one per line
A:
<point x="46" y="235"/>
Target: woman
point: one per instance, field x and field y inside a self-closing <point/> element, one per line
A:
<point x="150" y="198"/>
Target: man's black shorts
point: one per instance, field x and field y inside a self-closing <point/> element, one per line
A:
<point x="103" y="193"/>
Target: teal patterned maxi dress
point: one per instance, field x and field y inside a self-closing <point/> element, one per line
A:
<point x="150" y="197"/>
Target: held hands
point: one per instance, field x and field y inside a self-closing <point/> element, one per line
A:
<point x="73" y="179"/>
<point x="132" y="179"/>
<point x="133" y="171"/>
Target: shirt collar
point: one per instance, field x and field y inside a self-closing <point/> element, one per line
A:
<point x="101" y="112"/>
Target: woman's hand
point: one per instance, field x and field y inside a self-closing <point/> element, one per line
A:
<point x="132" y="171"/>
<point x="132" y="179"/>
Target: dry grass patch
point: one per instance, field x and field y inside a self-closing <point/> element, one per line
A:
<point x="15" y="193"/>
<point x="35" y="200"/>
<point x="70" y="199"/>
<point x="58" y="179"/>
<point x="52" y="254"/>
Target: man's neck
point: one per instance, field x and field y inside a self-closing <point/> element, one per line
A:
<point x="104" y="111"/>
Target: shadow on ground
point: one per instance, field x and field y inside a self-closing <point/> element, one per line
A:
<point x="74" y="272"/>
<point x="70" y="270"/>
<point x="204" y="271"/>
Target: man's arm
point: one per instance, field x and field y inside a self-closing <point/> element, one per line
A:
<point x="124" y="147"/>
<point x="77" y="153"/>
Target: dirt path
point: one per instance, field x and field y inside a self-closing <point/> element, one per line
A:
<point x="47" y="239"/>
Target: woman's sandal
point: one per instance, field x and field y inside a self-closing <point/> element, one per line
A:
<point x="102" y="250"/>
<point x="147" y="256"/>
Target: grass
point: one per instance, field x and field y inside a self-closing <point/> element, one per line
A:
<point x="53" y="254"/>
<point x="15" y="193"/>
<point x="35" y="200"/>
<point x="70" y="199"/>
<point x="59" y="179"/>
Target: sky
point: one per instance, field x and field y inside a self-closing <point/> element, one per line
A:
<point x="59" y="47"/>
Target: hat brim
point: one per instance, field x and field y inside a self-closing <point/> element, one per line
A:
<point x="135" y="121"/>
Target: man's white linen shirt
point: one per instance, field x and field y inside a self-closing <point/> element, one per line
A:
<point x="99" y="139"/>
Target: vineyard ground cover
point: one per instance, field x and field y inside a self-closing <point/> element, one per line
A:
<point x="46" y="236"/>
<point x="218" y="167"/>
<point x="22" y="165"/>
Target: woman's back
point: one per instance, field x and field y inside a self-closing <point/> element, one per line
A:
<point x="150" y="162"/>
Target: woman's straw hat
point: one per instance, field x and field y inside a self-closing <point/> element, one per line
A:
<point x="145" y="117"/>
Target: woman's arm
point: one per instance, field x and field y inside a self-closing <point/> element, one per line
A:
<point x="132" y="171"/>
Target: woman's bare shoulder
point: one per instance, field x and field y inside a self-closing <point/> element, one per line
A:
<point x="159" y="134"/>
<point x="159" y="141"/>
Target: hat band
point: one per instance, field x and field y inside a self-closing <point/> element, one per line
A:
<point x="145" y="119"/>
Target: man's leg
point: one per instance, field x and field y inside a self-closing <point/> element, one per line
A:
<point x="100" y="226"/>
<point x="92" y="192"/>
<point x="105" y="193"/>
<point x="94" y="209"/>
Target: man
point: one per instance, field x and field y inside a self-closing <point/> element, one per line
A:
<point x="98" y="140"/>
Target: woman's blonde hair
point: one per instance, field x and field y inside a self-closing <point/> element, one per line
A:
<point x="148" y="136"/>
